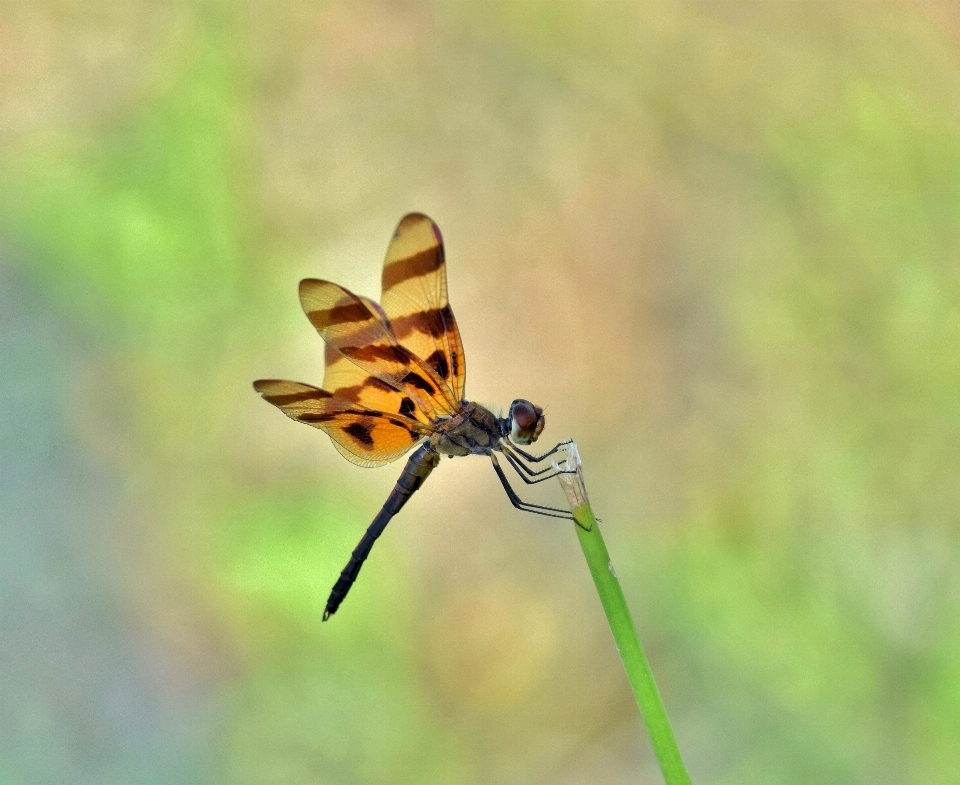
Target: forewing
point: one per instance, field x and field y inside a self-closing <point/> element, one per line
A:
<point x="364" y="436"/>
<point x="358" y="330"/>
<point x="415" y="300"/>
<point x="350" y="382"/>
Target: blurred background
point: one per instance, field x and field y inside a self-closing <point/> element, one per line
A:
<point x="718" y="241"/>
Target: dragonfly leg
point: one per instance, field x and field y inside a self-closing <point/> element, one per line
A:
<point x="511" y="453"/>
<point x="525" y="473"/>
<point x="538" y="458"/>
<point x="520" y="504"/>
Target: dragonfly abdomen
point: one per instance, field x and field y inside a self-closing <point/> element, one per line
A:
<point x="418" y="468"/>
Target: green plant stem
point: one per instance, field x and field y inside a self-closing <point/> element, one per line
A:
<point x="634" y="660"/>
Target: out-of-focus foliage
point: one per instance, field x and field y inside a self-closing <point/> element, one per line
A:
<point x="720" y="241"/>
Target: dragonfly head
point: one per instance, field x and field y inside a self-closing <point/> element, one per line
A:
<point x="525" y="421"/>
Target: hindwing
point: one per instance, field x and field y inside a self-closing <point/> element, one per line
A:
<point x="363" y="435"/>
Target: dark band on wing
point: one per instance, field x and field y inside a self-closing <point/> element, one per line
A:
<point x="360" y="432"/>
<point x="355" y="393"/>
<point x="419" y="264"/>
<point x="418" y="381"/>
<point x="438" y="362"/>
<point x="339" y="314"/>
<point x="405" y="425"/>
<point x="433" y="323"/>
<point x="318" y="416"/>
<point x="287" y="398"/>
<point x="374" y="352"/>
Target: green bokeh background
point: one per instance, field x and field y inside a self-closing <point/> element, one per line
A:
<point x="719" y="241"/>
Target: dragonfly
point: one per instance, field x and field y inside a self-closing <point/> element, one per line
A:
<point x="394" y="379"/>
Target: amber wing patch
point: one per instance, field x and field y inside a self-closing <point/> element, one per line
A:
<point x="352" y="383"/>
<point x="359" y="330"/>
<point x="363" y="435"/>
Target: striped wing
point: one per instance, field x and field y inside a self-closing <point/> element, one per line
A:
<point x="415" y="301"/>
<point x="353" y="384"/>
<point x="357" y="331"/>
<point x="362" y="435"/>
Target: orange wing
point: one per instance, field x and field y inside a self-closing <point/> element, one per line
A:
<point x="353" y="384"/>
<point x="363" y="435"/>
<point x="390" y="370"/>
<point x="415" y="301"/>
<point x="358" y="330"/>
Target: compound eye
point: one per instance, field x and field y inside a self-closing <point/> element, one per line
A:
<point x="524" y="414"/>
<point x="526" y="421"/>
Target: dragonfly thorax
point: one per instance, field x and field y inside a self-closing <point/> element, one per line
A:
<point x="473" y="430"/>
